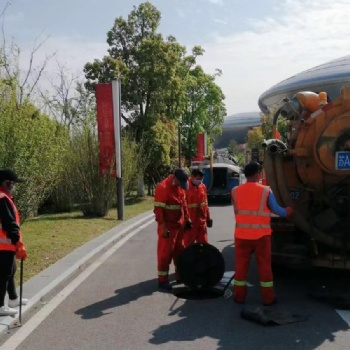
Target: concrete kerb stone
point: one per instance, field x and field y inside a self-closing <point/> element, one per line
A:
<point x="41" y="285"/>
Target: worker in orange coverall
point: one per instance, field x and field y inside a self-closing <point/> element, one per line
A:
<point x="197" y="203"/>
<point x="253" y="204"/>
<point x="171" y="214"/>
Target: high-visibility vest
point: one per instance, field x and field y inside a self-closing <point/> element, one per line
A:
<point x="5" y="242"/>
<point x="251" y="211"/>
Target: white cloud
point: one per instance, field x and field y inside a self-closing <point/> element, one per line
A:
<point x="307" y="33"/>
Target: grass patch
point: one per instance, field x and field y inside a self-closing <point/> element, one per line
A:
<point x="50" y="237"/>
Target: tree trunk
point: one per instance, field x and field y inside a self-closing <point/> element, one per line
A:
<point x="141" y="187"/>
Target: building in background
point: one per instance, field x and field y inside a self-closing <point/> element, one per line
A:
<point x="328" y="77"/>
<point x="236" y="127"/>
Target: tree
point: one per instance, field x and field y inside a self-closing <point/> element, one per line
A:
<point x="33" y="145"/>
<point x="237" y="153"/>
<point x="204" y="110"/>
<point x="255" y="138"/>
<point x="160" y="83"/>
<point x="69" y="102"/>
<point x="146" y="63"/>
<point x="11" y="75"/>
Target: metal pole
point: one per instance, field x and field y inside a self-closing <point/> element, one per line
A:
<point x="116" y="91"/>
<point x="20" y="292"/>
<point x="179" y="142"/>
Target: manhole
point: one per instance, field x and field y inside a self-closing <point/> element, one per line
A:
<point x="198" y="294"/>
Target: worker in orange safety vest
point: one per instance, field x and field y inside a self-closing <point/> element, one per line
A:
<point x="171" y="214"/>
<point x="253" y="204"/>
<point x="197" y="203"/>
<point x="11" y="244"/>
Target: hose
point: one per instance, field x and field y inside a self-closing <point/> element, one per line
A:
<point x="274" y="121"/>
<point x="269" y="167"/>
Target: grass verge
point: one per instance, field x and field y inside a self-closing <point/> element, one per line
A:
<point x="49" y="238"/>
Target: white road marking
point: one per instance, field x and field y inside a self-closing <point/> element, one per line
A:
<point x="345" y="315"/>
<point x="40" y="316"/>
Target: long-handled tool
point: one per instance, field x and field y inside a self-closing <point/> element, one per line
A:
<point x="228" y="283"/>
<point x="20" y="293"/>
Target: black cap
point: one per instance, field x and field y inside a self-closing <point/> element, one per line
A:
<point x="251" y="169"/>
<point x="196" y="171"/>
<point x="9" y="175"/>
<point x="182" y="177"/>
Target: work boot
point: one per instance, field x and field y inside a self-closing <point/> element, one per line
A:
<point x="7" y="311"/>
<point x="15" y="302"/>
<point x="165" y="286"/>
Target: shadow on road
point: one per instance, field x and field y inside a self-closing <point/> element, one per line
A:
<point x="220" y="320"/>
<point x="122" y="296"/>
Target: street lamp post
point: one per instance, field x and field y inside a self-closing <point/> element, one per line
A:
<point x="179" y="142"/>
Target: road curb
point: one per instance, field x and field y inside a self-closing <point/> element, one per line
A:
<point x="40" y="286"/>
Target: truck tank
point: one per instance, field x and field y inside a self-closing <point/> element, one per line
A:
<point x="310" y="171"/>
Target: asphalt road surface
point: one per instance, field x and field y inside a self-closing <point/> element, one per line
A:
<point x="115" y="304"/>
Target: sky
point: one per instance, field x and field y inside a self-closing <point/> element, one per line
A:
<point x="256" y="43"/>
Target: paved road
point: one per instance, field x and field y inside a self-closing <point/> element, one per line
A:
<point x="114" y="304"/>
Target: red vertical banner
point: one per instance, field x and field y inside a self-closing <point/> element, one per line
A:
<point x="200" y="146"/>
<point x="105" y="127"/>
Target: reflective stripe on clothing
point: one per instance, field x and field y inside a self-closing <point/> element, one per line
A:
<point x="195" y="205"/>
<point x="170" y="207"/>
<point x="259" y="212"/>
<point x="266" y="284"/>
<point x="173" y="207"/>
<point x="159" y="204"/>
<point x="5" y="241"/>
<point x="251" y="210"/>
<point x="163" y="273"/>
<point x="252" y="226"/>
<point x="239" y="283"/>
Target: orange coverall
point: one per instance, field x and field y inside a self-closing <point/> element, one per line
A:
<point x="171" y="214"/>
<point x="197" y="203"/>
<point x="252" y="235"/>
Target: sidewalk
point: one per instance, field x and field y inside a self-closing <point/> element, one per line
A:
<point x="39" y="288"/>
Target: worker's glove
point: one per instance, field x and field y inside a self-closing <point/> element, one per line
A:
<point x="290" y="212"/>
<point x="165" y="232"/>
<point x="21" y="252"/>
<point x="188" y="225"/>
<point x="210" y="223"/>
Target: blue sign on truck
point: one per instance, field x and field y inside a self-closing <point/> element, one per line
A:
<point x="342" y="160"/>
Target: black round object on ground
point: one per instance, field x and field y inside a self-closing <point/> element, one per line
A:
<point x="201" y="266"/>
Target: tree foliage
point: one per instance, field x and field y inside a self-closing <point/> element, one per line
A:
<point x="160" y="82"/>
<point x="204" y="110"/>
<point x="33" y="145"/>
<point x="237" y="153"/>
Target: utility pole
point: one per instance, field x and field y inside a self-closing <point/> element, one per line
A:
<point x="179" y="142"/>
<point x="116" y="92"/>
